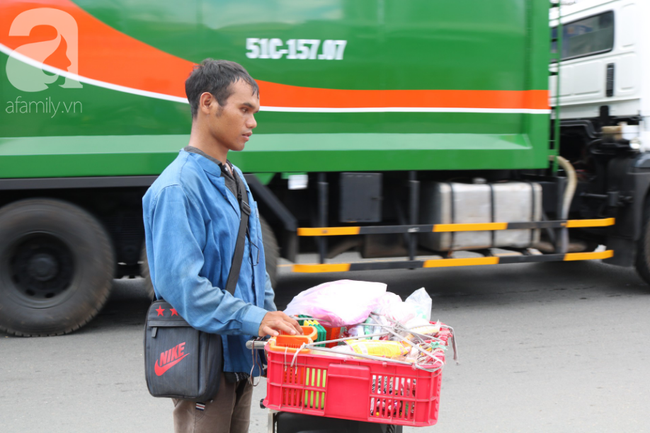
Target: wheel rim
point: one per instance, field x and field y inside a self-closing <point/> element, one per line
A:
<point x="41" y="269"/>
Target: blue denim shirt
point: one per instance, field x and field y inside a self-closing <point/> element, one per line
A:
<point x="191" y="221"/>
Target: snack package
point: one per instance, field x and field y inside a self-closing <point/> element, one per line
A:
<point x="387" y="349"/>
<point x="430" y="330"/>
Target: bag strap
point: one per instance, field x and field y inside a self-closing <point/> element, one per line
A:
<point x="238" y="256"/>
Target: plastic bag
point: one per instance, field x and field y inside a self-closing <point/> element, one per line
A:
<point x="338" y="303"/>
<point x="422" y="303"/>
<point x="385" y="301"/>
<point x="392" y="309"/>
<point x="357" y="331"/>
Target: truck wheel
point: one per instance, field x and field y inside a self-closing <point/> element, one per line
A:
<point x="271" y="252"/>
<point x="642" y="263"/>
<point x="144" y="272"/>
<point x="56" y="267"/>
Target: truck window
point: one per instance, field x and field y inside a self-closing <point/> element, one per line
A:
<point x="585" y="37"/>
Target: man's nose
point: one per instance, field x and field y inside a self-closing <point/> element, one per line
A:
<point x="251" y="123"/>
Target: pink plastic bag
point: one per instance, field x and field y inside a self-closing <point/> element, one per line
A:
<point x="338" y="303"/>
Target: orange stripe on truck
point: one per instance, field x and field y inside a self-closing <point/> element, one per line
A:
<point x="282" y="95"/>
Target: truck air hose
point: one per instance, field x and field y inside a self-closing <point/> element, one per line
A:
<point x="568" y="194"/>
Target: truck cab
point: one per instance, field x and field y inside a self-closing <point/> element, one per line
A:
<point x="600" y="94"/>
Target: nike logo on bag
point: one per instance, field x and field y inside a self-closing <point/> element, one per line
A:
<point x="170" y="358"/>
<point x="161" y="370"/>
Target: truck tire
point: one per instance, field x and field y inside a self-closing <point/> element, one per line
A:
<point x="642" y="263"/>
<point x="56" y="267"/>
<point x="271" y="251"/>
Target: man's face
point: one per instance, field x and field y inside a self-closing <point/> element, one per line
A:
<point x="232" y="125"/>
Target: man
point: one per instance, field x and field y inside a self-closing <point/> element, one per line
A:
<point x="191" y="219"/>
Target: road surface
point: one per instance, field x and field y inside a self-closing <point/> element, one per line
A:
<point x="550" y="347"/>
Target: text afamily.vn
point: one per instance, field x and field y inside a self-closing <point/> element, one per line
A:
<point x="45" y="106"/>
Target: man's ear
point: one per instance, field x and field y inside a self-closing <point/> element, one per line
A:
<point x="206" y="100"/>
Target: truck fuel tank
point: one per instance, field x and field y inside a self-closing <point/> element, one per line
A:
<point x="464" y="203"/>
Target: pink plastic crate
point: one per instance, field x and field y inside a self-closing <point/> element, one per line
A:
<point x="356" y="389"/>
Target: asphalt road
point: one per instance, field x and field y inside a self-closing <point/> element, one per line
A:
<point x="555" y="347"/>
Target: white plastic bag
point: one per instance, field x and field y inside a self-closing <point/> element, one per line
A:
<point x="391" y="308"/>
<point x="338" y="303"/>
<point x="415" y="311"/>
<point x="422" y="303"/>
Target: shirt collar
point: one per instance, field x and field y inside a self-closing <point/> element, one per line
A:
<point x="212" y="165"/>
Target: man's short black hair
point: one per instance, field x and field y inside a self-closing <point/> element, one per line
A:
<point x="215" y="76"/>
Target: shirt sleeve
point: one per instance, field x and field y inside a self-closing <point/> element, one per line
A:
<point x="178" y="235"/>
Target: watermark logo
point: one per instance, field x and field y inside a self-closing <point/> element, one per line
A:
<point x="27" y="78"/>
<point x="45" y="106"/>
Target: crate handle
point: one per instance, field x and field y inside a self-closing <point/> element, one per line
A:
<point x="351" y="380"/>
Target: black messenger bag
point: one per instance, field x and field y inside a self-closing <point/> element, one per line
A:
<point x="180" y="361"/>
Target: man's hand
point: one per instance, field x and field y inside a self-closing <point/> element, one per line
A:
<point x="275" y="321"/>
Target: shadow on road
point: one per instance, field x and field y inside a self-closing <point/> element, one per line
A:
<point x="449" y="287"/>
<point x="489" y="284"/>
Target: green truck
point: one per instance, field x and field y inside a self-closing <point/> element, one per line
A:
<point x="405" y="134"/>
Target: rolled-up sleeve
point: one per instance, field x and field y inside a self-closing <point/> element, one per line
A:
<point x="175" y="244"/>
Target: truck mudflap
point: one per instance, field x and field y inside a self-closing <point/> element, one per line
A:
<point x="524" y="256"/>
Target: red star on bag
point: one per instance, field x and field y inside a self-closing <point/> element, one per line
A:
<point x="160" y="310"/>
<point x="174" y="312"/>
